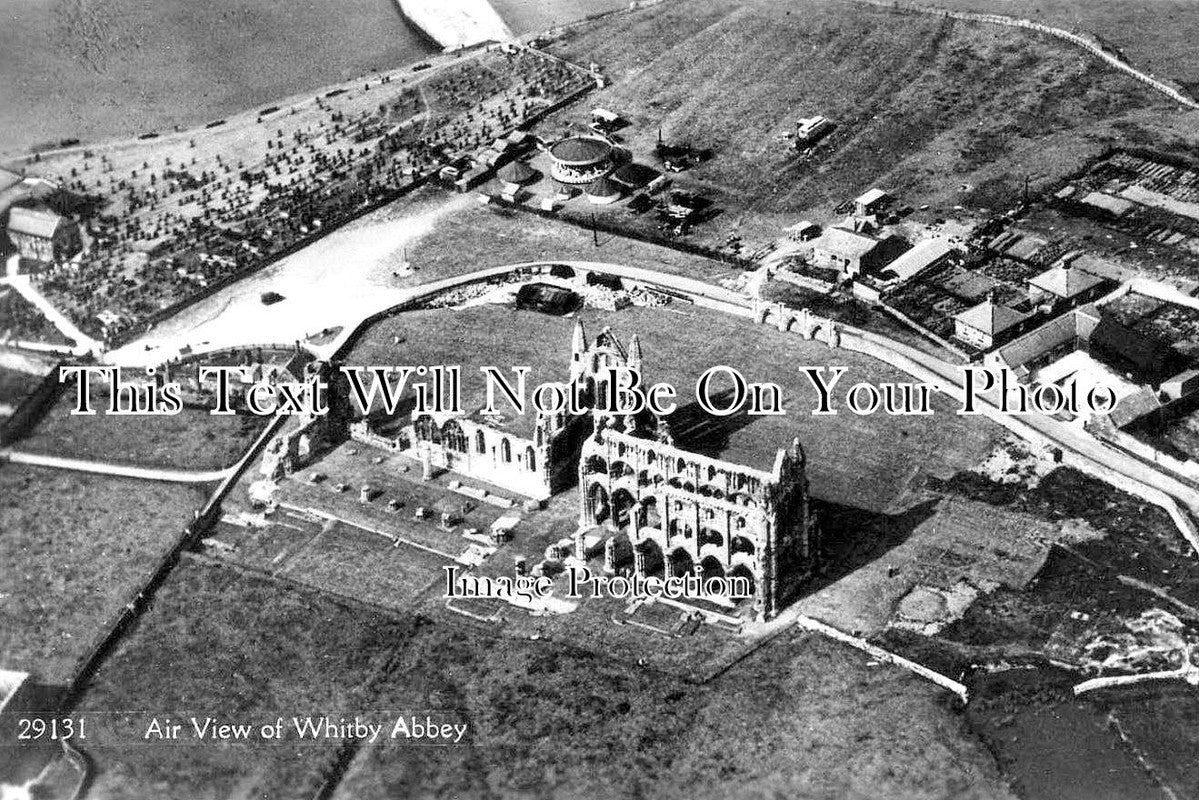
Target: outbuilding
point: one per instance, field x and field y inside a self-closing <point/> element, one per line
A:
<point x="871" y="202"/>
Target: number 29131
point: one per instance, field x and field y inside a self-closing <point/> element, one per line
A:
<point x="54" y="729"/>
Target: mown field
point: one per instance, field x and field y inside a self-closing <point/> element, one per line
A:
<point x="940" y="112"/>
<point x="543" y="719"/>
<point x="859" y="461"/>
<point x="75" y="549"/>
<point x="116" y="68"/>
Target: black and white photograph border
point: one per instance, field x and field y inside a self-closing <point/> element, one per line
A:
<point x="593" y="398"/>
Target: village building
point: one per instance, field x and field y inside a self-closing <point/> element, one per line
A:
<point x="989" y="323"/>
<point x="604" y="121"/>
<point x="579" y="160"/>
<point x="853" y="252"/>
<point x="923" y="256"/>
<point x="633" y="176"/>
<point x="871" y="202"/>
<point x="1065" y="283"/>
<point x="1184" y="384"/>
<point x="1142" y="357"/>
<point x="803" y="231"/>
<point x="42" y="235"/>
<point x="1061" y="335"/>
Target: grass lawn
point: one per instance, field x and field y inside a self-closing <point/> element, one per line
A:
<point x="543" y="718"/>
<point x="864" y="462"/>
<point x="191" y="439"/>
<point x="75" y="548"/>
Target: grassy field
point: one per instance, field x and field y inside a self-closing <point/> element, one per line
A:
<point x="800" y="718"/>
<point x="243" y="649"/>
<point x="543" y="719"/>
<point x="937" y="111"/>
<point x="76" y="548"/>
<point x="495" y="236"/>
<point x="191" y="439"/>
<point x="116" y="68"/>
<point x="1154" y="36"/>
<point x="861" y="461"/>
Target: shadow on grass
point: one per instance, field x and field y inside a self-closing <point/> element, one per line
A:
<point x="702" y="433"/>
<point x="854" y="537"/>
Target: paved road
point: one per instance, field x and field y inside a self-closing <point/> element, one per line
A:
<point x="84" y="343"/>
<point x="119" y="470"/>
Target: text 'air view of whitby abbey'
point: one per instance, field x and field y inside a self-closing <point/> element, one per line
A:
<point x="584" y="398"/>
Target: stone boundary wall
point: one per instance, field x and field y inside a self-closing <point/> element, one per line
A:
<point x="1086" y="42"/>
<point x="205" y="517"/>
<point x="33" y="407"/>
<point x="884" y="655"/>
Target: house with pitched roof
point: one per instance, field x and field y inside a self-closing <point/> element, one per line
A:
<point x="988" y="323"/>
<point x="1065" y="283"/>
<point x="42" y="235"/>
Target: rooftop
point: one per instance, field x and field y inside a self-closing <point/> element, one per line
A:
<point x="919" y="258"/>
<point x="872" y="196"/>
<point x="846" y="243"/>
<point x="580" y="150"/>
<point x="516" y="172"/>
<point x="33" y="221"/>
<point x="991" y="318"/>
<point x="1065" y="281"/>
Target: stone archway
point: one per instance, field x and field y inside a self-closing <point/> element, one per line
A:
<point x="710" y="536"/>
<point x="742" y="571"/>
<point x="597" y="504"/>
<point x="711" y="567"/>
<point x="647" y="558"/>
<point x="742" y="544"/>
<point x="623" y="508"/>
<point x="680" y="563"/>
<point x="650" y="516"/>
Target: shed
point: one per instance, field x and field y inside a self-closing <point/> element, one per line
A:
<point x="924" y="255"/>
<point x="870" y="202"/>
